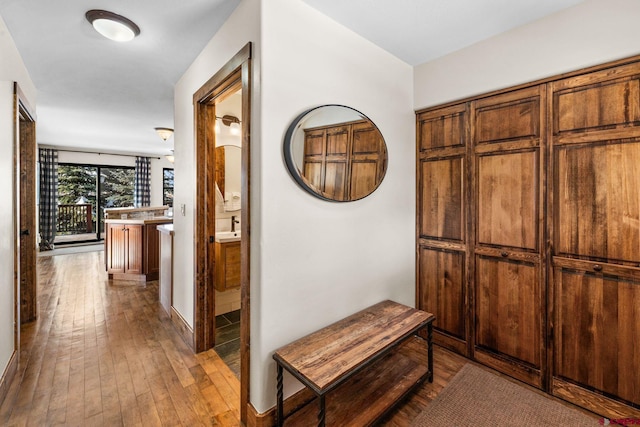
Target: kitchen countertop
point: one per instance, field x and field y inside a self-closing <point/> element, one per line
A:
<point x="165" y="228"/>
<point x="144" y="221"/>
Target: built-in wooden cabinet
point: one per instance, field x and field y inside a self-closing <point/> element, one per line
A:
<point x="507" y="142"/>
<point x="124" y="249"/>
<point x="227" y="270"/>
<point x="132" y="251"/>
<point x="344" y="161"/>
<point x="442" y="197"/>
<point x="595" y="217"/>
<point x="528" y="233"/>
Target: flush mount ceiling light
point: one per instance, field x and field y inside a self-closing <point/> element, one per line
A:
<point x="112" y="26"/>
<point x="164" y="133"/>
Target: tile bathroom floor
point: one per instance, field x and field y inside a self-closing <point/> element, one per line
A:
<point x="228" y="340"/>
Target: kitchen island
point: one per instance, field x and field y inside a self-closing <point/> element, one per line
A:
<point x="132" y="243"/>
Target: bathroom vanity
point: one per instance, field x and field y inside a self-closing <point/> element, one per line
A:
<point x="227" y="254"/>
<point x="132" y="242"/>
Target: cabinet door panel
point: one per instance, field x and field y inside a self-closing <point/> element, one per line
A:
<point x="598" y="209"/>
<point x="441" y="203"/>
<point x="134" y="243"/>
<point x="505" y="121"/>
<point x="337" y="141"/>
<point x="232" y="261"/>
<point x="335" y="180"/>
<point x="597" y="331"/>
<point x="507" y="199"/>
<point x="116" y="250"/>
<point x="366" y="140"/>
<point x="597" y="106"/>
<point x="442" y="289"/>
<point x="151" y="264"/>
<point x="313" y="173"/>
<point x="314" y="143"/>
<point x="444" y="130"/>
<point x="363" y="177"/>
<point x="508" y="309"/>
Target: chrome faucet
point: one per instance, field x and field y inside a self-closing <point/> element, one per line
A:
<point x="234" y="221"/>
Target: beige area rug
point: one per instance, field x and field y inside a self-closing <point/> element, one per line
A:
<point x="475" y="397"/>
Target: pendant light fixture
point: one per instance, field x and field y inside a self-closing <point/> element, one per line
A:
<point x="112" y="26"/>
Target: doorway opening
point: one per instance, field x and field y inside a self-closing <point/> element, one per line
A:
<point x="223" y="103"/>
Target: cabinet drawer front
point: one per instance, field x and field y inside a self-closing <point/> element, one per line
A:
<point x="596" y="332"/>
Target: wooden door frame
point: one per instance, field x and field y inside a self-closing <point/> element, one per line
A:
<point x="236" y="72"/>
<point x="22" y="112"/>
<point x="26" y="134"/>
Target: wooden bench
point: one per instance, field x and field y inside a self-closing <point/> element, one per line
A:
<point x="359" y="367"/>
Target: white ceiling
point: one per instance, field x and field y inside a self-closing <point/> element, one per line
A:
<point x="100" y="95"/>
<point x="418" y="31"/>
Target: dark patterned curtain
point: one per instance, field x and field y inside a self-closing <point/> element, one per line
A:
<point x="142" y="183"/>
<point x="48" y="197"/>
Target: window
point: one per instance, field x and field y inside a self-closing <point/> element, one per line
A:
<point x="167" y="187"/>
<point x="83" y="193"/>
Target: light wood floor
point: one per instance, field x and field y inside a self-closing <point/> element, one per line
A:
<point x="105" y="353"/>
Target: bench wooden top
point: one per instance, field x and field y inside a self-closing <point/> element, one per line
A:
<point x="324" y="358"/>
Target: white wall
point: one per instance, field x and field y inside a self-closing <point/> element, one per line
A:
<point x="590" y="33"/>
<point x="12" y="69"/>
<point x="7" y="224"/>
<point x="243" y="26"/>
<point x="319" y="261"/>
<point x="157" y="164"/>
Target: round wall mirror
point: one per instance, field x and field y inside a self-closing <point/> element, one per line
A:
<point x="335" y="153"/>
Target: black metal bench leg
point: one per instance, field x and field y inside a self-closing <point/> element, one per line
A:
<point x="280" y="410"/>
<point x="321" y="413"/>
<point x="430" y="346"/>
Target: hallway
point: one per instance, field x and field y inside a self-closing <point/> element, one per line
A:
<point x="107" y="354"/>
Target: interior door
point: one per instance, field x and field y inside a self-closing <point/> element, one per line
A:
<point x="509" y="269"/>
<point x="596" y="235"/>
<point x="442" y="239"/>
<point x="28" y="231"/>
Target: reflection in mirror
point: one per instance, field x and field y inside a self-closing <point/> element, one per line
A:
<point x="227" y="176"/>
<point x="335" y="153"/>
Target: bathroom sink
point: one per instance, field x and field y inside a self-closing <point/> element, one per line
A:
<point x="227" y="236"/>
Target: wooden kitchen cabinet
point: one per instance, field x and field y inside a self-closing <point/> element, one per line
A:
<point x="132" y="251"/>
<point x="124" y="249"/>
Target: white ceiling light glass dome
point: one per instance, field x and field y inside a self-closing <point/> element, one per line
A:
<point x="113" y="26"/>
